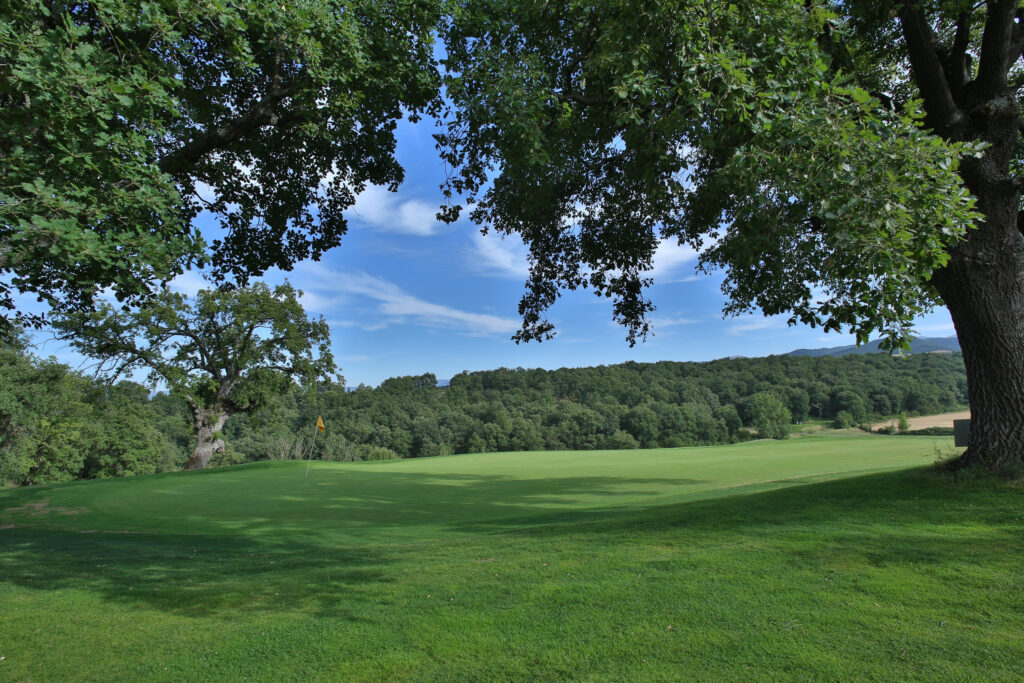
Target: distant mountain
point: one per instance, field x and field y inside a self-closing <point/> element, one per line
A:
<point x="919" y="345"/>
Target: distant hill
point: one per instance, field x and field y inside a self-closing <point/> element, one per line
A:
<point x="919" y="345"/>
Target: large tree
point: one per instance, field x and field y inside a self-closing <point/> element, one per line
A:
<point x="850" y="163"/>
<point x="227" y="351"/>
<point x="121" y="120"/>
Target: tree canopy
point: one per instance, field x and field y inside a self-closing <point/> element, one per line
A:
<point x="57" y="425"/>
<point x="123" y="119"/>
<point x="849" y="163"/>
<point x="227" y="351"/>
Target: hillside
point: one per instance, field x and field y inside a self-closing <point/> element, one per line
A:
<point x="919" y="345"/>
<point x="63" y="425"/>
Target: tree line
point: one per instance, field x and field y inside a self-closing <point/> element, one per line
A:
<point x="57" y="424"/>
<point x="850" y="164"/>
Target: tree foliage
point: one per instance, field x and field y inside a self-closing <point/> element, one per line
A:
<point x="57" y="425"/>
<point x="614" y="125"/>
<point x="624" y="406"/>
<point x="227" y="351"/>
<point x="771" y="416"/>
<point x="850" y="163"/>
<point x="122" y="119"/>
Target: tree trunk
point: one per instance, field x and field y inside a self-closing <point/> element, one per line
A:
<point x="983" y="287"/>
<point x="207" y="423"/>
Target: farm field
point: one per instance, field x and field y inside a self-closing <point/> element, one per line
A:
<point x="823" y="557"/>
<point x="926" y="421"/>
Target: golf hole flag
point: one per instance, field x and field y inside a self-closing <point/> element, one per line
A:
<point x="319" y="428"/>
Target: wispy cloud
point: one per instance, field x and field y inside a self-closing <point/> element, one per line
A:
<point x="669" y="257"/>
<point x="755" y="323"/>
<point x="316" y="303"/>
<point x="389" y="304"/>
<point x="385" y="211"/>
<point x="935" y="330"/>
<point x="499" y="256"/>
<point x="659" y="323"/>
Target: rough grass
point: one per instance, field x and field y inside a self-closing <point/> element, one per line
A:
<point x="821" y="558"/>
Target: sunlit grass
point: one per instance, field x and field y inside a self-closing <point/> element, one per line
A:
<point x="729" y="562"/>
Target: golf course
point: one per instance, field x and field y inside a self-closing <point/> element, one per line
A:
<point x="821" y="557"/>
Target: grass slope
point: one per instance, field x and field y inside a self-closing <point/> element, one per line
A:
<point x="821" y="557"/>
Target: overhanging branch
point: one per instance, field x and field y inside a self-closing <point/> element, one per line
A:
<point x="263" y="114"/>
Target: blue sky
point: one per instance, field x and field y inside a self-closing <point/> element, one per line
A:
<point x="406" y="295"/>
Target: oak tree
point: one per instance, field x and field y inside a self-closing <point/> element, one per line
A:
<point x="850" y="163"/>
<point x="123" y="119"/>
<point x="226" y="351"/>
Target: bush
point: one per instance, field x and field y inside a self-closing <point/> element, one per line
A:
<point x="930" y="431"/>
<point x="843" y="420"/>
<point x="620" y="440"/>
<point x="379" y="453"/>
<point x="771" y="417"/>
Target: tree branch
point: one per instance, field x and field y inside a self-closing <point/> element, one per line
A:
<point x="994" y="62"/>
<point x="943" y="114"/>
<point x="958" y="72"/>
<point x="586" y="101"/>
<point x="1017" y="39"/>
<point x="263" y="114"/>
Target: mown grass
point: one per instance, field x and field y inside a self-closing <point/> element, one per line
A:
<point x="819" y="558"/>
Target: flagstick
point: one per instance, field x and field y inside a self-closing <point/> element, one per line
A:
<point x="310" y="459"/>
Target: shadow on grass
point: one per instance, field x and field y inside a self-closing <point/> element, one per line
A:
<point x="909" y="517"/>
<point x="899" y="517"/>
<point x="469" y="503"/>
<point x="196" y="576"/>
<point x="388" y="506"/>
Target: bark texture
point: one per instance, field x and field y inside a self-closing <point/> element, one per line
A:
<point x="983" y="287"/>
<point x="208" y="424"/>
<point x="983" y="283"/>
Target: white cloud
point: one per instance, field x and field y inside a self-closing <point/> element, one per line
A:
<point x="670" y="256"/>
<point x="499" y="256"/>
<point x="755" y="323"/>
<point x="390" y="304"/>
<point x="189" y="283"/>
<point x="314" y="303"/>
<point x="395" y="303"/>
<point x="661" y="323"/>
<point x="384" y="211"/>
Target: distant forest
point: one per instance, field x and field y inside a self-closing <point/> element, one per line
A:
<point x="57" y="424"/>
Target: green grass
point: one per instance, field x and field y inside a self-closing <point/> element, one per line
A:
<point x="823" y="557"/>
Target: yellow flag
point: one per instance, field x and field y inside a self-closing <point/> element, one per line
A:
<point x="320" y="423"/>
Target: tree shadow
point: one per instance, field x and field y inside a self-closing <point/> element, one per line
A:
<point x="196" y="576"/>
<point x="479" y="503"/>
<point x="911" y="517"/>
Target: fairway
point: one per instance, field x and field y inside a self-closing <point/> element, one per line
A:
<point x="735" y="561"/>
<point x="431" y="498"/>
